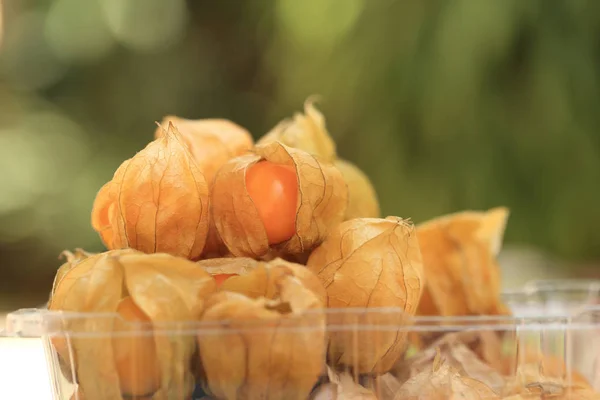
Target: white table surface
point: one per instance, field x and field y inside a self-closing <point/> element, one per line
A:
<point x="23" y="370"/>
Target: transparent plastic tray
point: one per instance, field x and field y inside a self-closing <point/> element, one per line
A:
<point x="561" y="344"/>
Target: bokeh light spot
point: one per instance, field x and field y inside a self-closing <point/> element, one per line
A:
<point x="319" y="22"/>
<point x="27" y="60"/>
<point x="146" y="25"/>
<point x="77" y="32"/>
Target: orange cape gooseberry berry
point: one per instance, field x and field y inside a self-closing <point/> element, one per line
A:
<point x="274" y="191"/>
<point x="277" y="201"/>
<point x="134" y="351"/>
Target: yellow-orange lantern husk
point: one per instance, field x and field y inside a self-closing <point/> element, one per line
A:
<point x="321" y="205"/>
<point x="256" y="279"/>
<point x="362" y="198"/>
<point x="266" y="349"/>
<point x="125" y="358"/>
<point x="157" y="201"/>
<point x="459" y="257"/>
<point x="306" y="132"/>
<point x="369" y="263"/>
<point x="212" y="142"/>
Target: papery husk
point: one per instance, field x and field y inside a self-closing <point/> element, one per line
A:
<point x="165" y="288"/>
<point x="71" y="259"/>
<point x="453" y="349"/>
<point x="157" y="201"/>
<point x="305" y="132"/>
<point x="212" y="142"/>
<point x="346" y="388"/>
<point x="261" y="279"/>
<point x="264" y="349"/>
<point x="228" y="265"/>
<point x="322" y="201"/>
<point x="362" y="198"/>
<point x="442" y="382"/>
<point x="530" y="380"/>
<point x="369" y="263"/>
<point x="214" y="246"/>
<point x="459" y="257"/>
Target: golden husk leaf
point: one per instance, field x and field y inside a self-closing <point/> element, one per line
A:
<point x="305" y="132"/>
<point x="265" y="349"/>
<point x="459" y="256"/>
<point x="262" y="278"/>
<point x="166" y="289"/>
<point x="362" y="198"/>
<point x="212" y="142"/>
<point x="157" y="201"/>
<point x="370" y="263"/>
<point x="322" y="201"/>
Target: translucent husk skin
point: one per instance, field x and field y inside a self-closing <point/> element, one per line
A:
<point x="71" y="259"/>
<point x="260" y="279"/>
<point x="157" y="201"/>
<point x="322" y="202"/>
<point x="274" y="349"/>
<point x="459" y="257"/>
<point x="212" y="142"/>
<point x="306" y="132"/>
<point x="364" y="263"/>
<point x="362" y="198"/>
<point x="164" y="287"/>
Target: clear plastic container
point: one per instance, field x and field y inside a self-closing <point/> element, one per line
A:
<point x="276" y="359"/>
<point x="553" y="297"/>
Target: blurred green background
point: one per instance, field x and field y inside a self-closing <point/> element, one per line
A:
<point x="447" y="105"/>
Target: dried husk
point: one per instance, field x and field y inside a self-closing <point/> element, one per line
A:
<point x="362" y="198"/>
<point x="369" y="263"/>
<point x="453" y="349"/>
<point x="166" y="289"/>
<point x="322" y="201"/>
<point x="459" y="257"/>
<point x="157" y="201"/>
<point x="261" y="279"/>
<point x="274" y="349"/>
<point x="442" y="382"/>
<point x="305" y="132"/>
<point x="212" y="142"/>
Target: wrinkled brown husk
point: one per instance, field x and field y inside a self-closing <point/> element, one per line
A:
<point x="305" y="132"/>
<point x="459" y="256"/>
<point x="212" y="142"/>
<point x="362" y="198"/>
<point x="157" y="202"/>
<point x="322" y="201"/>
<point x="265" y="349"/>
<point x="369" y="263"/>
<point x="261" y="278"/>
<point x="165" y="288"/>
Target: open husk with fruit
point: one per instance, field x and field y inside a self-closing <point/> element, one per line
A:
<point x="274" y="259"/>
